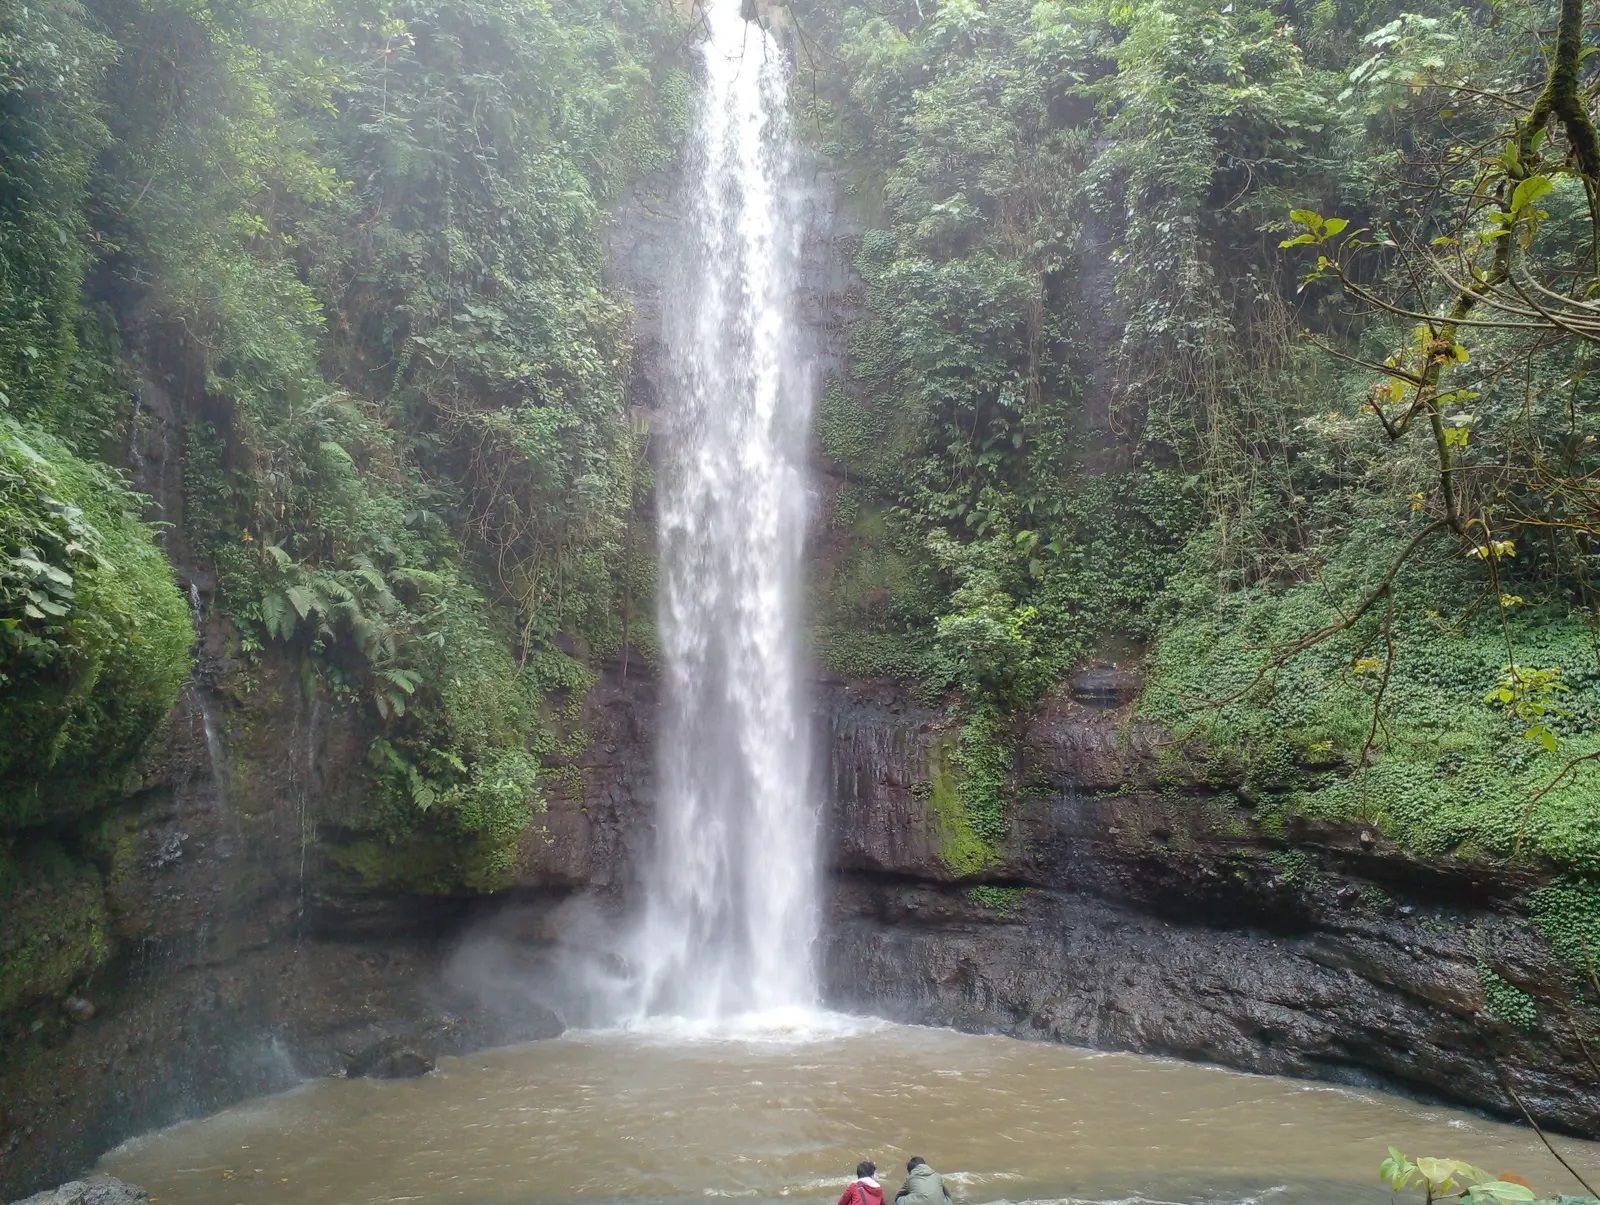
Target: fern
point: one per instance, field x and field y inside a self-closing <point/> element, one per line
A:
<point x="277" y="615"/>
<point x="303" y="600"/>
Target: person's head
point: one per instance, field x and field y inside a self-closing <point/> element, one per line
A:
<point x="915" y="1162"/>
<point x="866" y="1168"/>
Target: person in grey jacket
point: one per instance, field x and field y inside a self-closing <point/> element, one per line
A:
<point x="923" y="1185"/>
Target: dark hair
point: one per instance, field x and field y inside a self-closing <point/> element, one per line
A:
<point x="915" y="1162"/>
<point x="866" y="1168"/>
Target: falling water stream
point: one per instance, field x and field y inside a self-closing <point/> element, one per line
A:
<point x="730" y="895"/>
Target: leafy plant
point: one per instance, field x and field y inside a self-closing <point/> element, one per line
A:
<point x="1529" y="695"/>
<point x="1438" y="1179"/>
<point x="94" y="636"/>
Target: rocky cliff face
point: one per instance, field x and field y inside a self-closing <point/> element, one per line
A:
<point x="242" y="959"/>
<point x="1131" y="909"/>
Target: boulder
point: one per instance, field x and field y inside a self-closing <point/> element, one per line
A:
<point x="100" y="1190"/>
<point x="388" y="1058"/>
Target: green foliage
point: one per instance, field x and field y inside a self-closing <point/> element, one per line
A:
<point x="94" y="635"/>
<point x="984" y="757"/>
<point x="1568" y="914"/>
<point x="1038" y="163"/>
<point x="1132" y="163"/>
<point x="851" y="434"/>
<point x="1529" y="695"/>
<point x="1505" y="1001"/>
<point x="960" y="424"/>
<point x="1296" y="867"/>
<point x="853" y="653"/>
<point x="1344" y="730"/>
<point x="486" y="144"/>
<point x="460" y="762"/>
<point x="51" y="61"/>
<point x="988" y="642"/>
<point x="363" y="244"/>
<point x="1001" y="900"/>
<point x="1437" y="1179"/>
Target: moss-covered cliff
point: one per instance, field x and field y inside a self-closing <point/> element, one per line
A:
<point x="327" y="281"/>
<point x="1078" y="422"/>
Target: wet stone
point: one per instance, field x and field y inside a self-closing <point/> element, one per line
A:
<point x="388" y="1058"/>
<point x="1103" y="685"/>
<point x="102" y="1190"/>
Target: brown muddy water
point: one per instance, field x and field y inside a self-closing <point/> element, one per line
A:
<point x="783" y="1114"/>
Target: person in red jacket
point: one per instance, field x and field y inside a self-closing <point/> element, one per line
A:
<point x="863" y="1190"/>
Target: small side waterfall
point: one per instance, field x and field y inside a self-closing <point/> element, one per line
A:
<point x="731" y="893"/>
<point x="216" y="751"/>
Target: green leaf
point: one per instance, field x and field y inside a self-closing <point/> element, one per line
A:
<point x="1297" y="240"/>
<point x="405" y="679"/>
<point x="276" y="615"/>
<point x="1500" y="1190"/>
<point x="1544" y="736"/>
<point x="1396" y="1171"/>
<point x="1306" y="217"/>
<point x="1445" y="1174"/>
<point x="1334" y="226"/>
<point x="303" y="601"/>
<point x="1529" y="191"/>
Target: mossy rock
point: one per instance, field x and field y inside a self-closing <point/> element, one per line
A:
<point x="963" y="848"/>
<point x="1002" y="901"/>
<point x="55" y="923"/>
<point x="1567" y="912"/>
<point x="426" y="863"/>
<point x="1505" y="1001"/>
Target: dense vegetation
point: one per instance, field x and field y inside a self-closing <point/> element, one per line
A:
<point x="347" y="257"/>
<point x="1123" y="384"/>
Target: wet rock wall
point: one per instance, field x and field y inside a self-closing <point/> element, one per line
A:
<point x="1132" y="909"/>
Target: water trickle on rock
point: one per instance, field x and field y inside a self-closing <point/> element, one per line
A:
<point x="730" y="907"/>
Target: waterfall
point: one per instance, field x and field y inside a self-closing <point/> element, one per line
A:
<point x="730" y="910"/>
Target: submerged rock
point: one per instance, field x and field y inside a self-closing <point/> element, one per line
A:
<point x="388" y="1058"/>
<point x="101" y="1190"/>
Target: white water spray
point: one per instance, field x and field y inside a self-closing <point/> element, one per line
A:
<point x="731" y="893"/>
